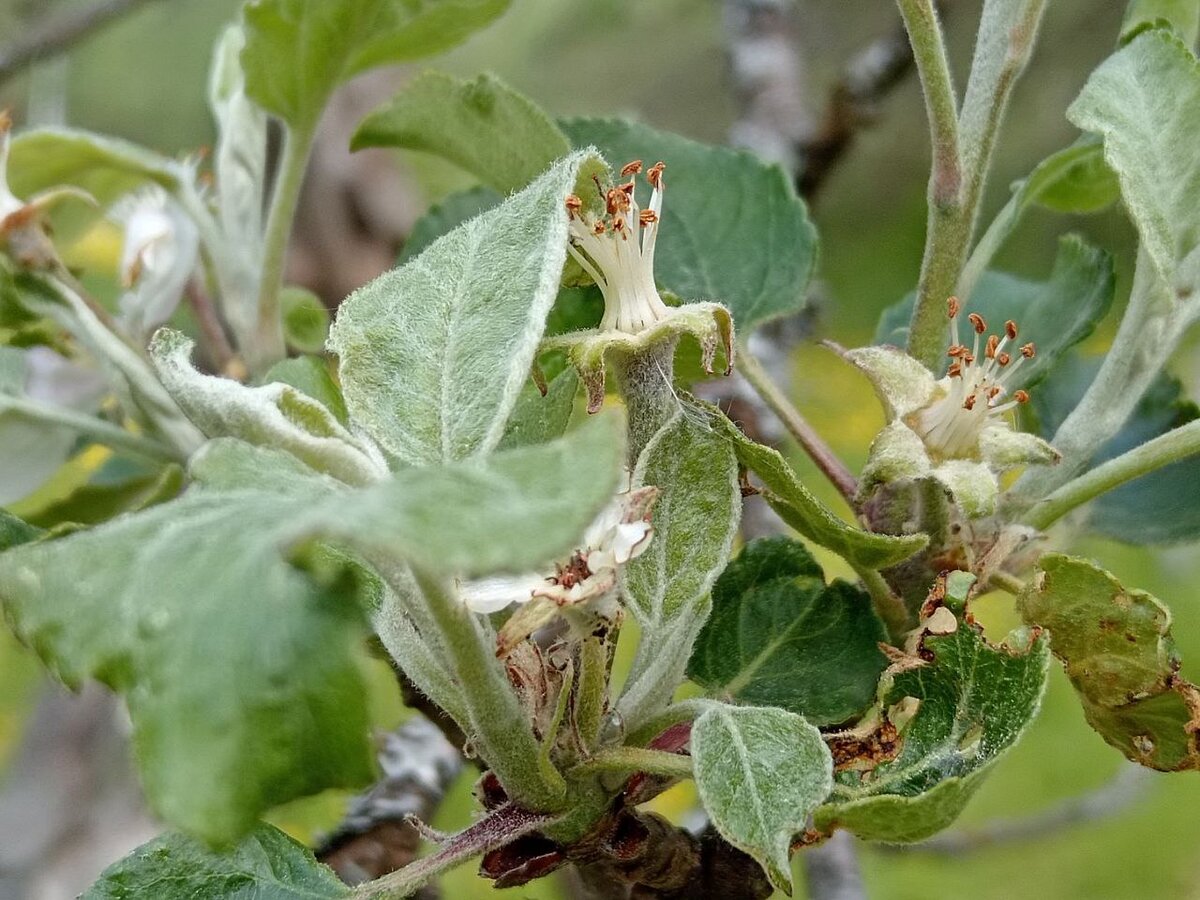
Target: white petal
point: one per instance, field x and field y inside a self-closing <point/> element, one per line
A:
<point x="630" y="541"/>
<point x="488" y="595"/>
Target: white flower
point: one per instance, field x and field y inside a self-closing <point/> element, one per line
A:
<point x="617" y="251"/>
<point x="620" y="533"/>
<point x="955" y="429"/>
<point x="158" y="256"/>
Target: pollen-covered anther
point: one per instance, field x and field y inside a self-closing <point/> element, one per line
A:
<point x="975" y="391"/>
<point x="617" y="250"/>
<point x="654" y="175"/>
<point x="574" y="204"/>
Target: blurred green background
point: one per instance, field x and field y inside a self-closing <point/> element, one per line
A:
<point x="144" y="79"/>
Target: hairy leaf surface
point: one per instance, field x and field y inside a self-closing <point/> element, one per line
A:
<point x="760" y="773"/>
<point x="265" y="864"/>
<point x="779" y="636"/>
<point x="973" y="702"/>
<point x="434" y="353"/>
<point x="238" y="671"/>
<point x="1145" y="102"/>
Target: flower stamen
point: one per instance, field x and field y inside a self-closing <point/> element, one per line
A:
<point x="951" y="425"/>
<point x="619" y="259"/>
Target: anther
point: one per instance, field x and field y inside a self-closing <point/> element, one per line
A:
<point x="977" y="322"/>
<point x="956" y="350"/>
<point x="1004" y="359"/>
<point x="631" y="168"/>
<point x="598" y="228"/>
<point x="955" y="370"/>
<point x="647" y="217"/>
<point x="1010" y="328"/>
<point x="1021" y="396"/>
<point x="654" y="174"/>
<point x="969" y="403"/>
<point x="574" y="204"/>
<point x="953" y="307"/>
<point x="992" y="343"/>
<point x="1028" y="350"/>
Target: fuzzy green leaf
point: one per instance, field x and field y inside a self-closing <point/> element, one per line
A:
<point x="310" y="375"/>
<point x="760" y="773"/>
<point x="1145" y="102"/>
<point x="305" y="319"/>
<point x="33" y="449"/>
<point x="510" y="513"/>
<point x="298" y="51"/>
<point x="667" y="588"/>
<point x="537" y="419"/>
<point x="1055" y="314"/>
<point x="1181" y="15"/>
<point x="444" y="217"/>
<point x="1117" y="649"/>
<point x="482" y="125"/>
<point x="1075" y="179"/>
<point x="434" y="354"/>
<point x="264" y="864"/>
<point x="274" y="415"/>
<point x="733" y="229"/>
<point x="105" y="167"/>
<point x="779" y="636"/>
<point x="803" y="512"/>
<point x="238" y="671"/>
<point x="975" y="701"/>
<point x="694" y="525"/>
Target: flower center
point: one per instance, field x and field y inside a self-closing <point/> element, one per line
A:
<point x="977" y="390"/>
<point x="617" y="250"/>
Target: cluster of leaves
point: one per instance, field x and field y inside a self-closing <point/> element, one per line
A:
<point x="325" y="503"/>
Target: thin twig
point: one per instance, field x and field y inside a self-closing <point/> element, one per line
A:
<point x="59" y="32"/>
<point x="376" y="836"/>
<point x="826" y="460"/>
<point x="215" y="338"/>
<point x="1128" y="787"/>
